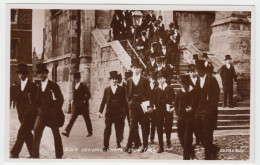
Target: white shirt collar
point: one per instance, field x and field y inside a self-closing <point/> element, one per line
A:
<point x="162" y="87"/>
<point x="202" y="80"/>
<point x="44" y="84"/>
<point x="153" y="62"/>
<point x="23" y="83"/>
<point x="136" y="78"/>
<point x="160" y="68"/>
<point x="113" y="88"/>
<point x="194" y="79"/>
<point x="190" y="89"/>
<point x="206" y="63"/>
<point x="77" y="85"/>
<point x="164" y="51"/>
<point x="152" y="85"/>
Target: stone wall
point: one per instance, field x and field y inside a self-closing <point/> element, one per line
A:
<point x="195" y="27"/>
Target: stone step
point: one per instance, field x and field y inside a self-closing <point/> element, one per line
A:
<point x="228" y="117"/>
<point x="237" y="104"/>
<point x="174" y="129"/>
<point x="227" y="122"/>
<point x="236" y="110"/>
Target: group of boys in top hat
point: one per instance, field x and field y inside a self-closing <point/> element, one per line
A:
<point x="40" y="105"/>
<point x="195" y="104"/>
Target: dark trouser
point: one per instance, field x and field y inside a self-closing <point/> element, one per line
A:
<point x="164" y="120"/>
<point x="38" y="130"/>
<point x="152" y="125"/>
<point x="24" y="135"/>
<point x="107" y="131"/>
<point x="185" y="131"/>
<point x="228" y="93"/>
<point x="204" y="128"/>
<point x="87" y="121"/>
<point x="136" y="115"/>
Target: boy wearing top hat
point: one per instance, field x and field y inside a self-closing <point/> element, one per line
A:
<point x="193" y="78"/>
<point x="26" y="112"/>
<point x="81" y="96"/>
<point x="49" y="101"/>
<point x="163" y="99"/>
<point x="114" y="99"/>
<point x="137" y="92"/>
<point x="184" y="107"/>
<point x="206" y="111"/>
<point x="151" y="65"/>
<point x="207" y="63"/>
<point x="153" y="85"/>
<point x="229" y="77"/>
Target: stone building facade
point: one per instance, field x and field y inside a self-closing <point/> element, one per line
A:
<point x="20" y="41"/>
<point x="75" y="40"/>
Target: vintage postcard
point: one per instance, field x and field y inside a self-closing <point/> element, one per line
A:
<point x="135" y="83"/>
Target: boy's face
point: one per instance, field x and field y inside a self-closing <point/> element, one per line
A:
<point x="22" y="76"/>
<point x="227" y="61"/>
<point x="151" y="79"/>
<point x="76" y="80"/>
<point x="161" y="80"/>
<point x="159" y="64"/>
<point x="186" y="87"/>
<point x="43" y="76"/>
<point x="200" y="73"/>
<point x="113" y="81"/>
<point x="136" y="70"/>
<point x="152" y="59"/>
<point x="192" y="74"/>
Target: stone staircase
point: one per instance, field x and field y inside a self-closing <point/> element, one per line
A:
<point x="228" y="118"/>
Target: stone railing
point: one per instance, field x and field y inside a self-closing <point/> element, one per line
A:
<point x="190" y="49"/>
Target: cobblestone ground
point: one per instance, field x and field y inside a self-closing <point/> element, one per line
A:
<point x="78" y="146"/>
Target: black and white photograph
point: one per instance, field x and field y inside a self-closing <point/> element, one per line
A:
<point x="129" y="83"/>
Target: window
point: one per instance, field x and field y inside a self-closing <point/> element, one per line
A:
<point x="14" y="48"/>
<point x="14" y="15"/>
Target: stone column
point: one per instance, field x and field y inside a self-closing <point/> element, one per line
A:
<point x="231" y="34"/>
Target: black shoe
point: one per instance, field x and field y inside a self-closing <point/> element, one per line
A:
<point x="118" y="145"/>
<point x="105" y="149"/>
<point x="224" y="105"/>
<point x="169" y="145"/>
<point x="128" y="150"/>
<point x="65" y="133"/>
<point x="90" y="134"/>
<point x="143" y="149"/>
<point x="231" y="106"/>
<point x="13" y="156"/>
<point x="160" y="150"/>
<point x="151" y="142"/>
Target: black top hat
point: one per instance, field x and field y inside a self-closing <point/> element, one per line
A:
<point x="184" y="79"/>
<point x="195" y="56"/>
<point x="204" y="55"/>
<point x="41" y="68"/>
<point x="22" y="68"/>
<point x="128" y="74"/>
<point x="227" y="57"/>
<point x="171" y="25"/>
<point x="135" y="62"/>
<point x="113" y="75"/>
<point x="191" y="68"/>
<point x="77" y="75"/>
<point x="200" y="66"/>
<point x="161" y="73"/>
<point x="160" y="17"/>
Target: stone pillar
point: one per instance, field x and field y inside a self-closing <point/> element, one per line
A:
<point x="103" y="18"/>
<point x="231" y="34"/>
